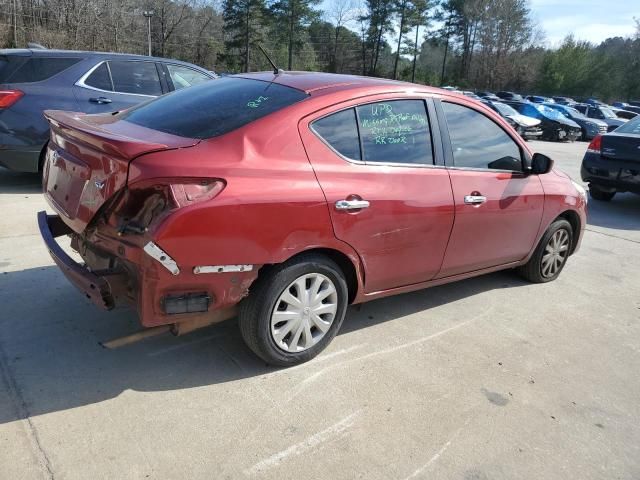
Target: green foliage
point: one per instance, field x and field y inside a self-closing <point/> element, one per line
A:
<point x="290" y="19"/>
<point x="243" y="28"/>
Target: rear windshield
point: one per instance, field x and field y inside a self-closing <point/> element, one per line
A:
<point x="213" y="108"/>
<point x="632" y="126"/>
<point x="20" y="69"/>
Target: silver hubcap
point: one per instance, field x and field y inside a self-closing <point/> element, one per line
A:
<point x="304" y="312"/>
<point x="555" y="253"/>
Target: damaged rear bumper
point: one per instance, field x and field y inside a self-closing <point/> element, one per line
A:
<point x="94" y="287"/>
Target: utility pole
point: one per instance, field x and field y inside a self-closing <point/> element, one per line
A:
<point x="148" y="14"/>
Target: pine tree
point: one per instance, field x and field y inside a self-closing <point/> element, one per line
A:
<point x="291" y="17"/>
<point x="243" y="24"/>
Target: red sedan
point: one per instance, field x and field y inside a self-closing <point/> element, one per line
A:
<point x="284" y="198"/>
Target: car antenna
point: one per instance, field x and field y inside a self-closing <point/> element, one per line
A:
<point x="276" y="70"/>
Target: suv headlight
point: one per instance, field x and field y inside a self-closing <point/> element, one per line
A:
<point x="581" y="191"/>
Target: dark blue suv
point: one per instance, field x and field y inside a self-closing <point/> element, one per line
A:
<point x="32" y="81"/>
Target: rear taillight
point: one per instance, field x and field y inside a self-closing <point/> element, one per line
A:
<point x="595" y="145"/>
<point x="195" y="191"/>
<point x="9" y="97"/>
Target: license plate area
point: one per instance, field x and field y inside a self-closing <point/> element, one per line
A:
<point x="66" y="180"/>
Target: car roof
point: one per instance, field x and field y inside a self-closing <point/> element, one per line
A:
<point x="45" y="52"/>
<point x="318" y="82"/>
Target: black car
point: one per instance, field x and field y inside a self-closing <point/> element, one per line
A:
<point x="537" y="99"/>
<point x="600" y="112"/>
<point x="590" y="126"/>
<point x="527" y="127"/>
<point x="555" y="126"/>
<point x="34" y="80"/>
<point x="564" y="100"/>
<point x="627" y="106"/>
<point x="612" y="162"/>
<point x="513" y="97"/>
<point x="488" y="96"/>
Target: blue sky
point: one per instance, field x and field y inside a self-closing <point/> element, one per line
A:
<point x="592" y="20"/>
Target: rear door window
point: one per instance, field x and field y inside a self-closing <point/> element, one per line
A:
<point x="34" y="69"/>
<point x="632" y="126"/>
<point x="100" y="78"/>
<point x="182" y="77"/>
<point x="139" y="78"/>
<point x="213" y="108"/>
<point x="395" y="132"/>
<point x="477" y="142"/>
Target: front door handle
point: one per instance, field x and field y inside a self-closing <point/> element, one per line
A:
<point x="474" y="199"/>
<point x="100" y="100"/>
<point x="351" y="204"/>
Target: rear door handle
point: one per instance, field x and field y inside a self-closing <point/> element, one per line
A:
<point x="474" y="199"/>
<point x="100" y="100"/>
<point x="352" y="204"/>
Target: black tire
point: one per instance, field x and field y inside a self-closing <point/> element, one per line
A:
<point x="533" y="269"/>
<point x="256" y="310"/>
<point x="600" y="195"/>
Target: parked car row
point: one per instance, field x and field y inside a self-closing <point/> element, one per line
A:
<point x="561" y="118"/>
<point x="34" y="80"/>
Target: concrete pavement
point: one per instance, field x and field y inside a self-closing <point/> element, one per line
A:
<point x="489" y="378"/>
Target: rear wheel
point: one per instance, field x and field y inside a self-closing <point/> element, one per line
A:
<point x="599" y="194"/>
<point x="294" y="310"/>
<point x="550" y="255"/>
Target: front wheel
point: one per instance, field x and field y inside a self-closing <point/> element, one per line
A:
<point x="550" y="255"/>
<point x="294" y="310"/>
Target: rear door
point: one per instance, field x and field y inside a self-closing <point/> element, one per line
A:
<point x="118" y="84"/>
<point x="387" y="196"/>
<point x="498" y="207"/>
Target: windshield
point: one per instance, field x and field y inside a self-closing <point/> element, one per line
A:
<point x="505" y="109"/>
<point x="608" y="113"/>
<point x="573" y="112"/>
<point x="549" y="112"/>
<point x="213" y="108"/>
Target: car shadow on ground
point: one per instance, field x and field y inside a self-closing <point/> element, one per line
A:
<point x="621" y="213"/>
<point x="51" y="360"/>
<point x="17" y="182"/>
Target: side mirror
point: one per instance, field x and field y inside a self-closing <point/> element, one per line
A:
<point x="540" y="164"/>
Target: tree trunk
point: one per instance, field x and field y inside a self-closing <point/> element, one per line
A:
<point x="291" y="22"/>
<point x="334" y="66"/>
<point x="395" y="63"/>
<point x="246" y="41"/>
<point x="415" y="55"/>
<point x="444" y="59"/>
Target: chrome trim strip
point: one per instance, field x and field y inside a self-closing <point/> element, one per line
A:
<point x="221" y="268"/>
<point x="154" y="251"/>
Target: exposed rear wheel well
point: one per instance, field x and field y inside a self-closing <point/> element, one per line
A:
<point x="573" y="218"/>
<point x="344" y="262"/>
<point x="43" y="152"/>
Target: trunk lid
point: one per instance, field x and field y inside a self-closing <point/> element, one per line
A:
<point x="87" y="160"/>
<point x="621" y="146"/>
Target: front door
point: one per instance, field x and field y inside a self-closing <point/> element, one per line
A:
<point x="387" y="197"/>
<point x="498" y="207"/>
